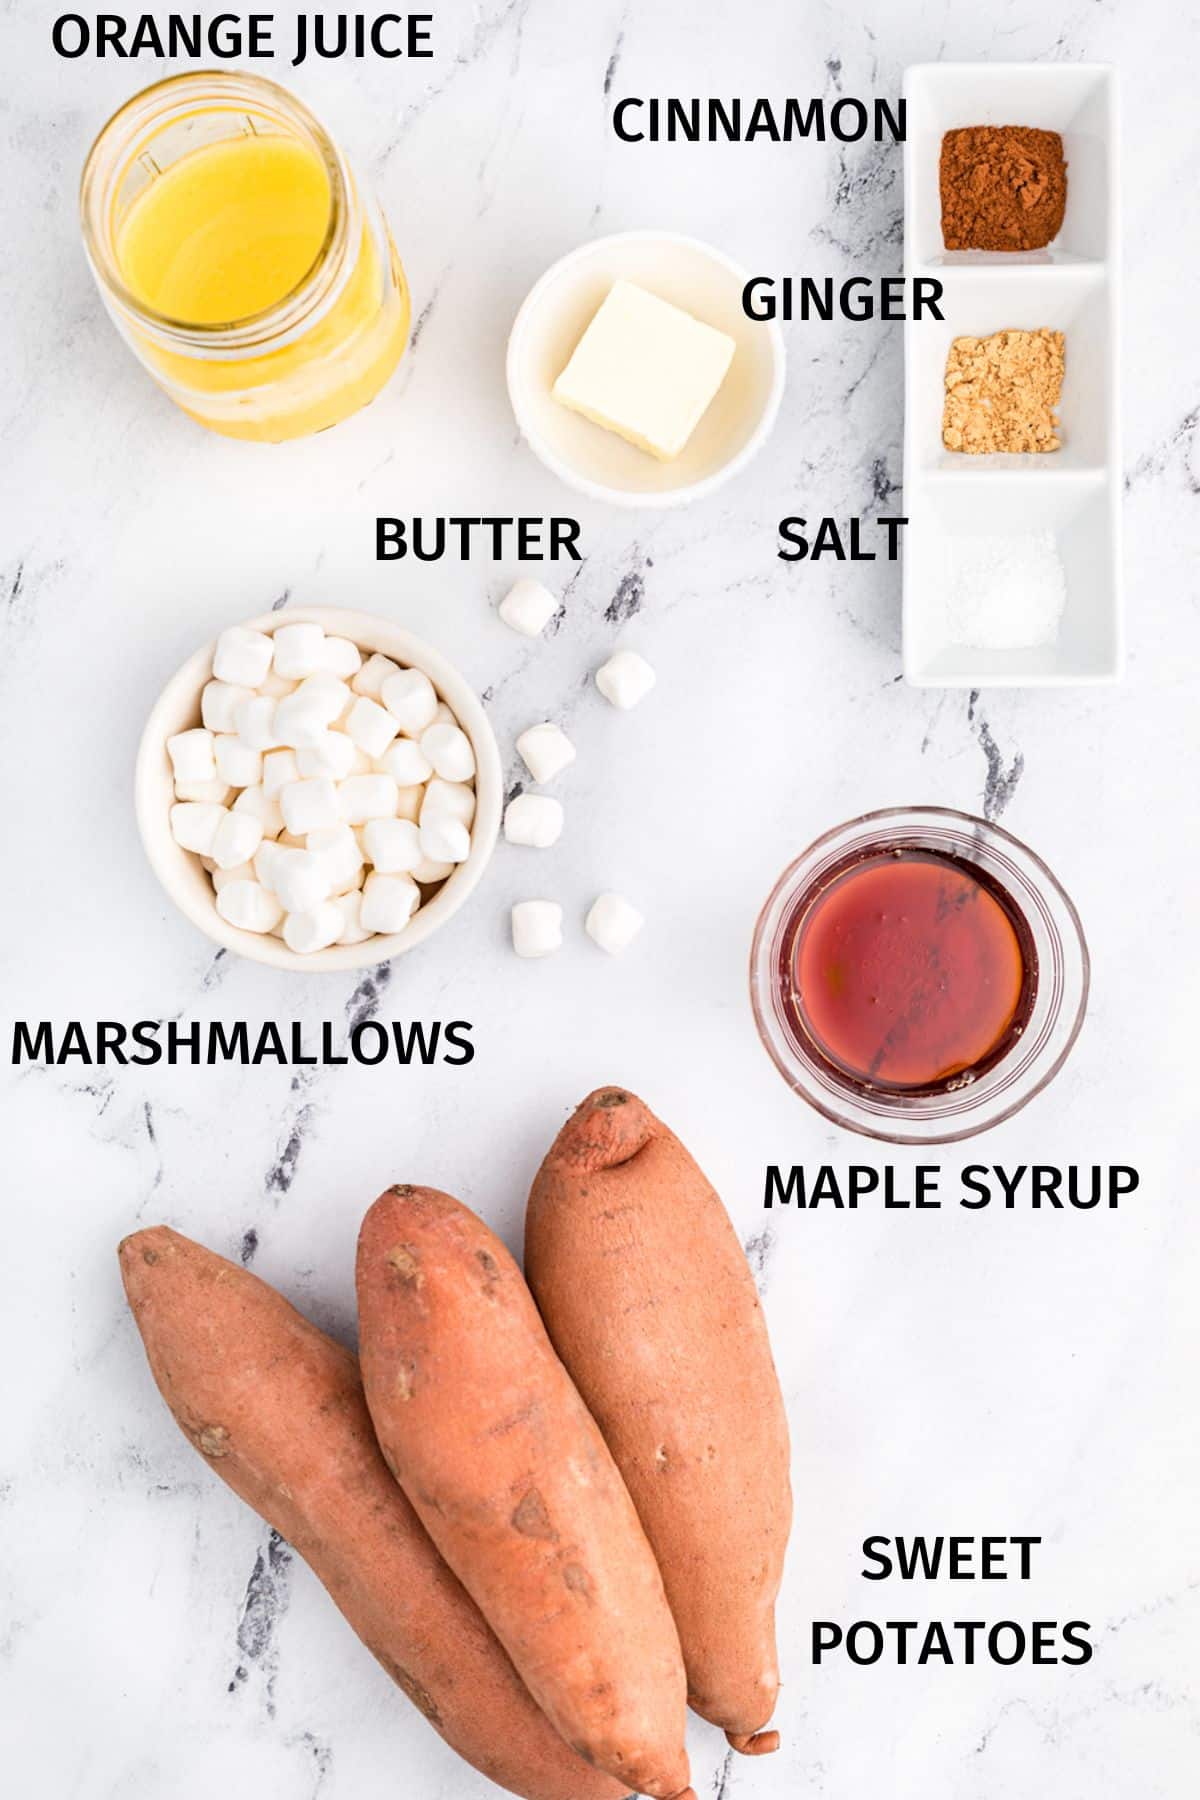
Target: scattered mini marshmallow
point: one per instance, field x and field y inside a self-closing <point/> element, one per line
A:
<point x="221" y="878"/>
<point x="262" y="806"/>
<point x="236" y="839"/>
<point x="429" y="871"/>
<point x="392" y="846"/>
<point x="192" y="755"/>
<point x="333" y="755"/>
<point x="625" y="679"/>
<point x="300" y="879"/>
<point x="534" y="820"/>
<point x="409" y="801"/>
<point x="546" y="751"/>
<point x="274" y="687"/>
<point x="219" y="703"/>
<point x="373" y="674"/>
<point x="412" y="700"/>
<point x="299" y="650"/>
<point x="315" y="929"/>
<point x="255" y="722"/>
<point x="453" y="797"/>
<point x="449" y="751"/>
<point x="215" y="792"/>
<point x="445" y="839"/>
<point x="350" y="907"/>
<point x="363" y="797"/>
<point x="304" y="716"/>
<point x="194" y="825"/>
<point x="334" y="697"/>
<point x="264" y="862"/>
<point x="342" y="658"/>
<point x="279" y="767"/>
<point x="406" y="762"/>
<point x="248" y="905"/>
<point x="537" y="927"/>
<point x="528" y="607"/>
<point x="613" y="923"/>
<point x="236" y="762"/>
<point x="388" y="902"/>
<point x="309" y="805"/>
<point x="370" y="726"/>
<point x="242" y="656"/>
<point x="340" y="848"/>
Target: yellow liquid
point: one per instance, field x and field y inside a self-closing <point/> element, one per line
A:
<point x="228" y="232"/>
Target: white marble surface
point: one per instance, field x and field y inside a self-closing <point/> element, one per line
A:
<point x="963" y="1373"/>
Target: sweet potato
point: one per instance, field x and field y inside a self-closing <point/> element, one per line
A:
<point x="276" y="1409"/>
<point x="649" y="1301"/>
<point x="484" y="1430"/>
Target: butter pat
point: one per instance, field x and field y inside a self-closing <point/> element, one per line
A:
<point x="646" y="370"/>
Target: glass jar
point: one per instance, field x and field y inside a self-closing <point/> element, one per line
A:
<point x="309" y="358"/>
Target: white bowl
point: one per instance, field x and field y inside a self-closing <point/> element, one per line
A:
<point x="181" y="873"/>
<point x="597" y="462"/>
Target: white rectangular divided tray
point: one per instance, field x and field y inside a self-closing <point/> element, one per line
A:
<point x="1071" y="287"/>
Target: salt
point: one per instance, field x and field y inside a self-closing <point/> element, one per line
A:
<point x="1001" y="592"/>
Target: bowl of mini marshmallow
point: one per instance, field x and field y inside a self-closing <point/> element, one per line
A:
<point x="318" y="789"/>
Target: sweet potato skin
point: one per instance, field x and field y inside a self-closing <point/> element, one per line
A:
<point x="485" y="1431"/>
<point x="276" y="1409"/>
<point x="649" y="1300"/>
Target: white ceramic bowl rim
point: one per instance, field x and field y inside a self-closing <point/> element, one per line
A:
<point x="558" y="465"/>
<point x="174" y="867"/>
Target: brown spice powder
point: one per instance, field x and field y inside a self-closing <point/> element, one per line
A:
<point x="1002" y="392"/>
<point x="1004" y="187"/>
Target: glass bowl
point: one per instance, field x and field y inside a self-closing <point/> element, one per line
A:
<point x="964" y="1103"/>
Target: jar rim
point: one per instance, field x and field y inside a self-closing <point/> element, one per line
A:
<point x="152" y="107"/>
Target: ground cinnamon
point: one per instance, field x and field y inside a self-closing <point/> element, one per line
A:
<point x="1004" y="187"/>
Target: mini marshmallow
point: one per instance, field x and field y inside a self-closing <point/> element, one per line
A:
<point x="302" y="718"/>
<point x="299" y="651"/>
<point x="338" y="846"/>
<point x="370" y="726"/>
<point x="537" y="927"/>
<point x="409" y="801"/>
<point x="215" y="793"/>
<point x="528" y="607"/>
<point x="625" y="679"/>
<point x="194" y="825"/>
<point x="411" y="699"/>
<point x="445" y="839"/>
<point x="221" y="878"/>
<point x="242" y="657"/>
<point x="237" y="763"/>
<point x="192" y="755"/>
<point x="342" y="658"/>
<point x="255" y="722"/>
<point x="300" y="878"/>
<point x="546" y="751"/>
<point x="264" y="862"/>
<point x="449" y="750"/>
<point x="407" y="763"/>
<point x="534" y="820"/>
<point x="442" y="715"/>
<point x="392" y="845"/>
<point x="333" y="755"/>
<point x="219" y="702"/>
<point x="309" y="805"/>
<point x="453" y="797"/>
<point x="248" y="905"/>
<point x="429" y="870"/>
<point x="373" y="674"/>
<point x="388" y="902"/>
<point x="236" y="839"/>
<point x="279" y="767"/>
<point x="261" y="806"/>
<point x="274" y="687"/>
<point x="363" y="797"/>
<point x="305" y="932"/>
<point x="350" y="907"/>
<point x="613" y="923"/>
